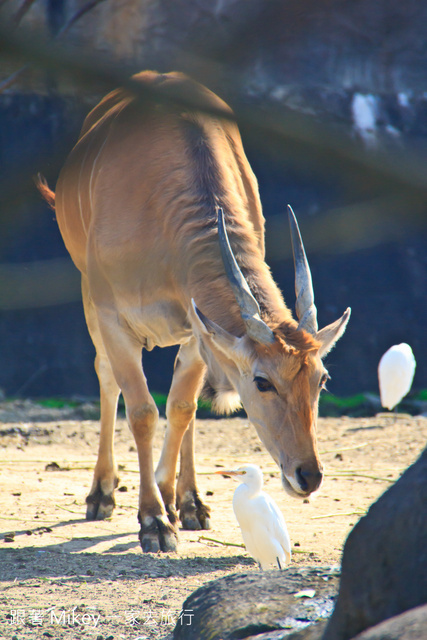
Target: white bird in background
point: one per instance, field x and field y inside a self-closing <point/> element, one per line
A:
<point x="364" y="108"/>
<point x="395" y="374"/>
<point x="261" y="522"/>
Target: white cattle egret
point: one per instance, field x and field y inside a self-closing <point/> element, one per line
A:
<point x="395" y="374"/>
<point x="261" y="522"/>
<point x="364" y="108"/>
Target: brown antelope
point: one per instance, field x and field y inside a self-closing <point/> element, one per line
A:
<point x="160" y="211"/>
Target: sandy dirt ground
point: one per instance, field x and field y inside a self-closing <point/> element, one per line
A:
<point x="63" y="577"/>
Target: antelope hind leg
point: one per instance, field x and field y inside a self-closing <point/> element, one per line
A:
<point x="100" y="501"/>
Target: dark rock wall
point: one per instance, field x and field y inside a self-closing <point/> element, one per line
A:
<point x="319" y="61"/>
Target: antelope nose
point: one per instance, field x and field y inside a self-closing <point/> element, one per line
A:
<point x="308" y="480"/>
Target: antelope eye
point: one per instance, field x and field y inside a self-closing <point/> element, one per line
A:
<point x="263" y="384"/>
<point x="323" y="380"/>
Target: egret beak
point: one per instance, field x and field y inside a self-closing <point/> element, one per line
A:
<point x="233" y="472"/>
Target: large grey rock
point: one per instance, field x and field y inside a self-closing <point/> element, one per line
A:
<point x="411" y="625"/>
<point x="313" y="632"/>
<point x="384" y="566"/>
<point x="247" y="605"/>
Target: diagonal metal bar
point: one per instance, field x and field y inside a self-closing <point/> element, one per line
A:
<point x="14" y="77"/>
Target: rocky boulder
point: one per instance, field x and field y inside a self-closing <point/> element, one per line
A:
<point x="384" y="566"/>
<point x="411" y="625"/>
<point x="247" y="605"/>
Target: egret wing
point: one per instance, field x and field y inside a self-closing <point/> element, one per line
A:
<point x="272" y="521"/>
<point x="280" y="529"/>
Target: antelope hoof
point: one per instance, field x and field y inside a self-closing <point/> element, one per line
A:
<point x="157" y="534"/>
<point x="99" y="505"/>
<point x="194" y="515"/>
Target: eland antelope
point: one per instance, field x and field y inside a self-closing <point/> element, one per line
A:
<point x="159" y="210"/>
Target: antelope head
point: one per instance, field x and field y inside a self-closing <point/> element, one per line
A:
<point x="277" y="371"/>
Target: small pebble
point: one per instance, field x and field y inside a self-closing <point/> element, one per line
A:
<point x="52" y="466"/>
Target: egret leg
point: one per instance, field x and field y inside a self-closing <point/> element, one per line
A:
<point x="278" y="563"/>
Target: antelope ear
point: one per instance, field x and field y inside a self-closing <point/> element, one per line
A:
<point x="329" y="335"/>
<point x="211" y="331"/>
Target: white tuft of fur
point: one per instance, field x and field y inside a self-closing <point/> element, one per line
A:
<point x="226" y="402"/>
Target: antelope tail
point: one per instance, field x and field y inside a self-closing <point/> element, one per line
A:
<point x="43" y="187"/>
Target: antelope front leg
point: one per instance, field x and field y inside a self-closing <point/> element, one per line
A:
<point x="193" y="513"/>
<point x="180" y="411"/>
<point x="124" y="354"/>
<point x="157" y="533"/>
<point x="179" y="415"/>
